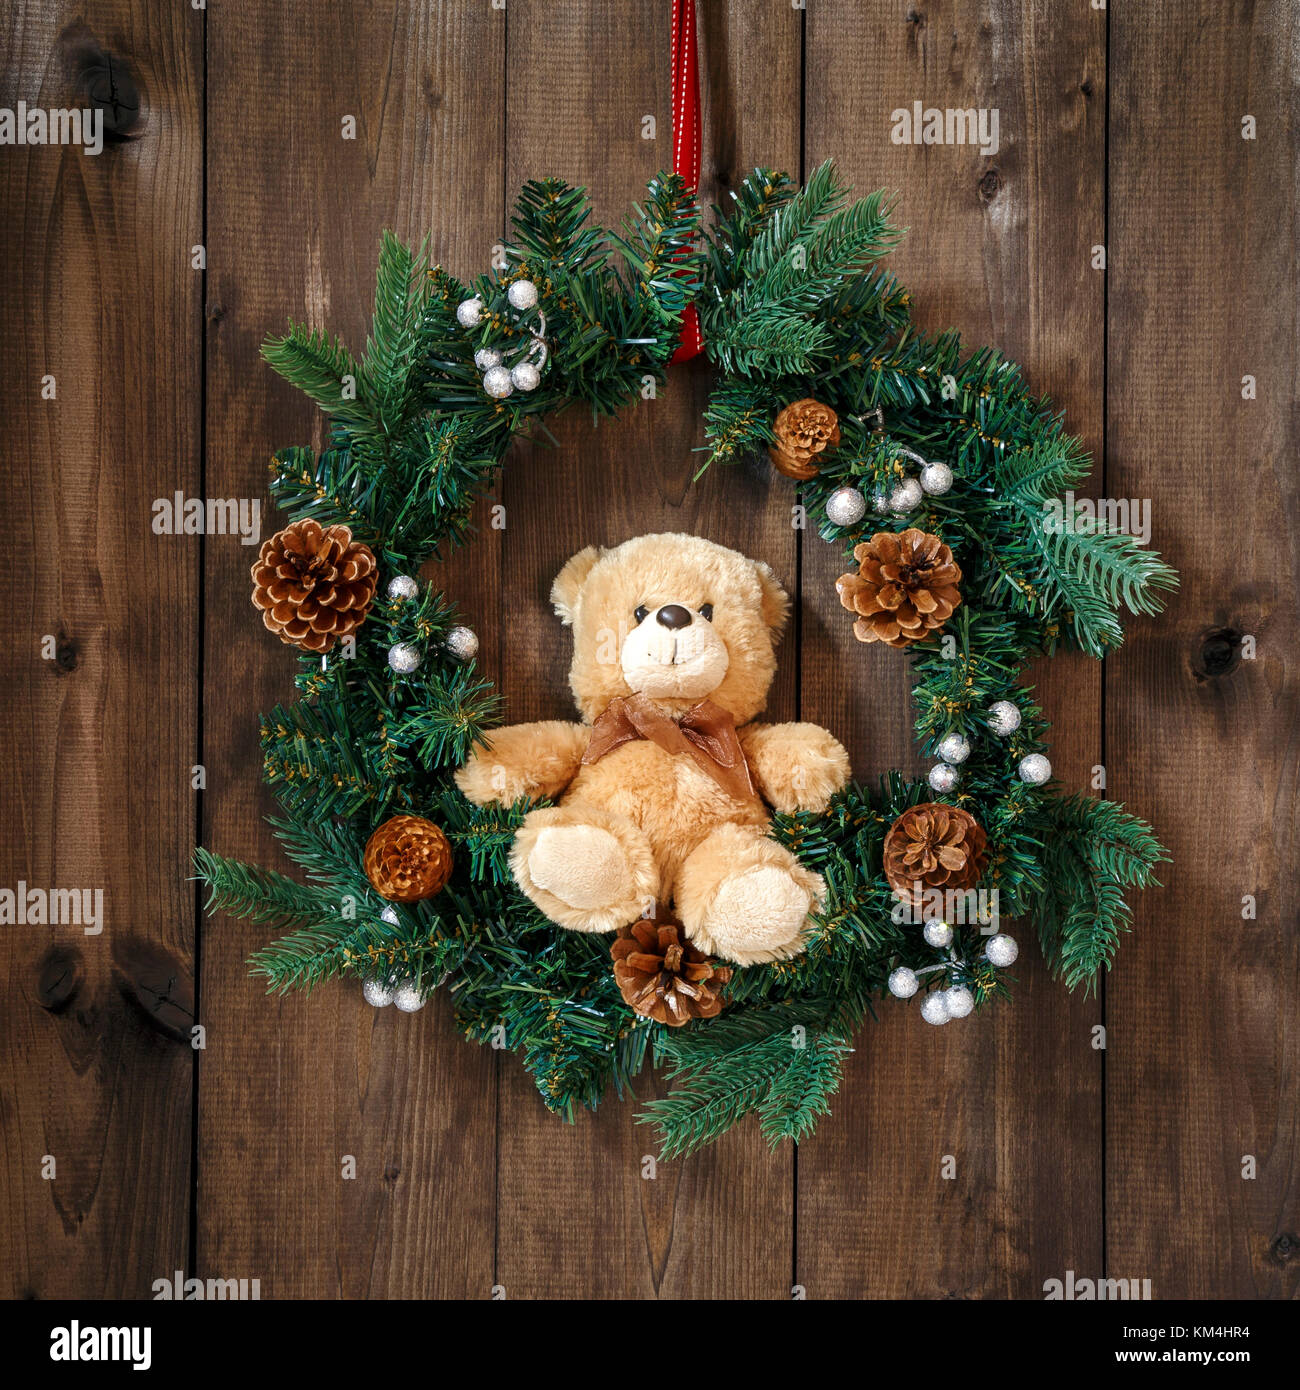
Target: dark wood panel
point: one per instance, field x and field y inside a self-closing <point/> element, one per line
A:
<point x="1202" y="1060"/>
<point x="998" y="248"/>
<point x="295" y="214"/>
<point x="97" y="730"/>
<point x="463" y="1180"/>
<point x="577" y="1218"/>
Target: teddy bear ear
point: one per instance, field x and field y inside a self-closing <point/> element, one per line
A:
<point x="568" y="583"/>
<point x="775" y="600"/>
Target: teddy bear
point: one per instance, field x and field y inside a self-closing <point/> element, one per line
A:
<point x="662" y="791"/>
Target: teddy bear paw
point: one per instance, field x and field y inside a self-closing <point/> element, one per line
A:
<point x="581" y="865"/>
<point x="587" y="870"/>
<point x="758" y="915"/>
<point x="745" y="898"/>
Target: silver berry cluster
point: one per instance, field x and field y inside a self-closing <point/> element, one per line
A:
<point x="502" y="378"/>
<point x="1003" y="720"/>
<point x="380" y="991"/>
<point x="405" y="658"/>
<point x="952" y="999"/>
<point x="933" y="478"/>
<point x="846" y="506"/>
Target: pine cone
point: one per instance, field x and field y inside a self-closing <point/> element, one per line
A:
<point x="905" y="588"/>
<point x="804" y="429"/>
<point x="665" y="978"/>
<point x="408" y="858"/>
<point x="314" y="584"/>
<point x="934" y="846"/>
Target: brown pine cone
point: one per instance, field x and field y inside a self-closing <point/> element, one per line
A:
<point x="664" y="977"/>
<point x="408" y="858"/>
<point x="934" y="846"/>
<point x="905" y="588"/>
<point x="314" y="584"/>
<point x="804" y="429"/>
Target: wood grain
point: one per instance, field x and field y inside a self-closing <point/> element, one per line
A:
<point x="577" y="1216"/>
<point x="288" y="1090"/>
<point x="1127" y="1163"/>
<point x="1203" y="1050"/>
<point x="97" y="729"/>
<point x="998" y="248"/>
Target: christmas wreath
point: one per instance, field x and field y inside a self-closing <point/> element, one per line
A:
<point x="937" y="471"/>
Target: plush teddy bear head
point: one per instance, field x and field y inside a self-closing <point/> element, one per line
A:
<point x="672" y="617"/>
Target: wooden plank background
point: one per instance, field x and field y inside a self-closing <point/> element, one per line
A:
<point x="1119" y="129"/>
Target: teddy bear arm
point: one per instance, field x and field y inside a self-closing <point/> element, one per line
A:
<point x="531" y="760"/>
<point x="796" y="767"/>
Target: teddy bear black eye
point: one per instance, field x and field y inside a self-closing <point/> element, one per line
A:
<point x="642" y="613"/>
<point x="706" y="612"/>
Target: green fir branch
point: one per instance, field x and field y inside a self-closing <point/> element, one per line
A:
<point x="1096" y="851"/>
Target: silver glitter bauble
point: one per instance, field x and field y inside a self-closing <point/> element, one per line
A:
<point x="403" y="586"/>
<point x="389" y="915"/>
<point x="937" y="933"/>
<point x="469" y="311"/>
<point x="378" y="992"/>
<point x="943" y="777"/>
<point x="497" y="382"/>
<point x="936" y="478"/>
<point x="408" y="998"/>
<point x="906" y="496"/>
<point x="1034" y="769"/>
<point x="880" y="501"/>
<point x="487" y="357"/>
<point x="954" y="749"/>
<point x="1004" y="718"/>
<point x="960" y="1001"/>
<point x="404" y="657"/>
<point x="846" y="506"/>
<point x="526" y="376"/>
<point x="1001" y="950"/>
<point x="902" y="982"/>
<point x="934" y="1008"/>
<point x="522" y="294"/>
<point x="461" y="643"/>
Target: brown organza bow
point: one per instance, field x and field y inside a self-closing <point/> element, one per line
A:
<point x="706" y="732"/>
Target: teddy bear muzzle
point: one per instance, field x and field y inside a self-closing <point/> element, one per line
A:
<point x="670" y="655"/>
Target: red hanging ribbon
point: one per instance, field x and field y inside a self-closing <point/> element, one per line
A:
<point x="686" y="139"/>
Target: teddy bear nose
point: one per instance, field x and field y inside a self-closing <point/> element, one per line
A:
<point x="673" y="615"/>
